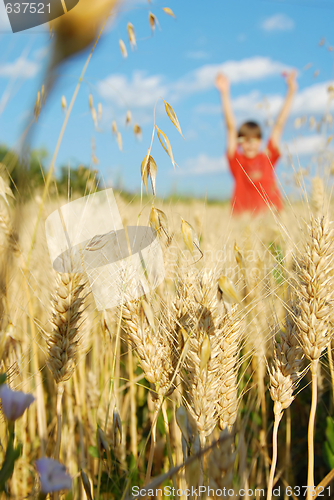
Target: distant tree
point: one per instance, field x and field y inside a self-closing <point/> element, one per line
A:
<point x="30" y="171"/>
<point x="23" y="171"/>
<point x="81" y="180"/>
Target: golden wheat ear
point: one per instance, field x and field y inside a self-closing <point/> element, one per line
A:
<point x="63" y="341"/>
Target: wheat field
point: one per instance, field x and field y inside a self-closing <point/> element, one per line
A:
<point x="218" y="383"/>
<point x="213" y="379"/>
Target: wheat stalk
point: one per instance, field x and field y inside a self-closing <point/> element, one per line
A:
<point x="157" y="351"/>
<point x="7" y="228"/>
<point x="62" y="343"/>
<point x="194" y="323"/>
<point x="284" y="376"/>
<point x="317" y="196"/>
<point x="317" y="206"/>
<point x="315" y="292"/>
<point x="220" y="464"/>
<point x="229" y="334"/>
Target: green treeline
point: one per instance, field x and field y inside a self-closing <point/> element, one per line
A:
<point x="29" y="172"/>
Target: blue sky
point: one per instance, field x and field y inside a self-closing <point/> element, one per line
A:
<point x="253" y="42"/>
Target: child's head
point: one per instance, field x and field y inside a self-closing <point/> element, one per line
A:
<point x="249" y="138"/>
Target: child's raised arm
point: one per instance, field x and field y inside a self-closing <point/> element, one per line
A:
<point x="284" y="113"/>
<point x="223" y="85"/>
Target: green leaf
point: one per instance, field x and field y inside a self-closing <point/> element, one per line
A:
<point x="12" y="454"/>
<point x="161" y="425"/>
<point x="328" y="455"/>
<point x="93" y="451"/>
<point x="330" y="433"/>
<point x="133" y="470"/>
<point x="256" y="418"/>
<point x="169" y="415"/>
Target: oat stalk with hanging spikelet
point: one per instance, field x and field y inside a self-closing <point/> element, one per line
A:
<point x="314" y="286"/>
<point x="77" y="30"/>
<point x="284" y="376"/>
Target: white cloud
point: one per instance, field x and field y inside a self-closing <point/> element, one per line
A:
<point x="246" y="105"/>
<point x="254" y="103"/>
<point x="251" y="69"/>
<point x="311" y="100"/>
<point x="19" y="68"/>
<point x="306" y="145"/>
<point x="191" y="135"/>
<point x="197" y="54"/>
<point x="42" y="53"/>
<point x="202" y="164"/>
<point x="208" y="109"/>
<point x="247" y="102"/>
<point x="278" y="22"/>
<point x="241" y="37"/>
<point x="140" y="92"/>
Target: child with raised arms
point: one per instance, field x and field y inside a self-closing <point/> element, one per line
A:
<point x="253" y="170"/>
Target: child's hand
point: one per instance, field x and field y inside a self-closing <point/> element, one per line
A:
<point x="291" y="80"/>
<point x="222" y="83"/>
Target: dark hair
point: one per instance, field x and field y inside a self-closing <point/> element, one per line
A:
<point x="250" y="129"/>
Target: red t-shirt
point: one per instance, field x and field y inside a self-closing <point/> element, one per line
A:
<point x="255" y="185"/>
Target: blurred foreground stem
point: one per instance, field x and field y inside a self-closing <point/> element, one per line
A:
<point x="62" y="131"/>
